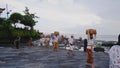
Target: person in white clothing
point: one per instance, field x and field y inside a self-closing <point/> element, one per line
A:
<point x="91" y="33"/>
<point x="71" y="44"/>
<point x="42" y="41"/>
<point x="91" y="39"/>
<point x="47" y="40"/>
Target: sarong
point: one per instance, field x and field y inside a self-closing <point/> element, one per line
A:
<point x="90" y="56"/>
<point x="55" y="45"/>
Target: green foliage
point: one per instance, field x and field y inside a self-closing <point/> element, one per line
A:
<point x="26" y="11"/>
<point x="15" y="17"/>
<point x="28" y="21"/>
<point x="98" y="45"/>
<point x="28" y="18"/>
<point x="2" y="20"/>
<point x="25" y="34"/>
<point x="8" y="32"/>
<point x="5" y="29"/>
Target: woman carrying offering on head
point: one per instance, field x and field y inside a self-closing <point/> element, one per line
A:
<point x="91" y="35"/>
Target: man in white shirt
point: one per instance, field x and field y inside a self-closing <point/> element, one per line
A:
<point x="71" y="44"/>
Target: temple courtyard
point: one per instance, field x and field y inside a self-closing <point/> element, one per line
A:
<point x="42" y="57"/>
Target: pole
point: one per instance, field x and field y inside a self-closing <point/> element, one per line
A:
<point x="8" y="11"/>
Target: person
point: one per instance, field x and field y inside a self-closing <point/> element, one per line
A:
<point x="71" y="44"/>
<point x="30" y="42"/>
<point x="114" y="56"/>
<point x="42" y="39"/>
<point x="91" y="33"/>
<point x="85" y="45"/>
<point x="90" y="46"/>
<point x="80" y="39"/>
<point x="55" y="43"/>
<point x="65" y="42"/>
<point x="17" y="42"/>
<point x="79" y="42"/>
<point x="51" y="40"/>
<point x="46" y="41"/>
<point x="118" y="40"/>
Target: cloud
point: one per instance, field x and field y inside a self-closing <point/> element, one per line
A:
<point x="66" y="15"/>
<point x="69" y="13"/>
<point x="71" y="16"/>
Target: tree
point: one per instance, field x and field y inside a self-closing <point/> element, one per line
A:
<point x="2" y="20"/>
<point x="6" y="28"/>
<point x="8" y="32"/>
<point x="28" y="21"/>
<point x="26" y="11"/>
<point x="28" y="18"/>
<point x="15" y="17"/>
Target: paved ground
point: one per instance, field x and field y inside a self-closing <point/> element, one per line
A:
<point x="41" y="57"/>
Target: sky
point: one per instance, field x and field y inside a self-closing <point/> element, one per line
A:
<point x="70" y="16"/>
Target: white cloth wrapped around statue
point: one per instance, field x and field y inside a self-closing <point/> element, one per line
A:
<point x="114" y="54"/>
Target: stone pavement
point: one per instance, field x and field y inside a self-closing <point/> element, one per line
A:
<point x="41" y="57"/>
